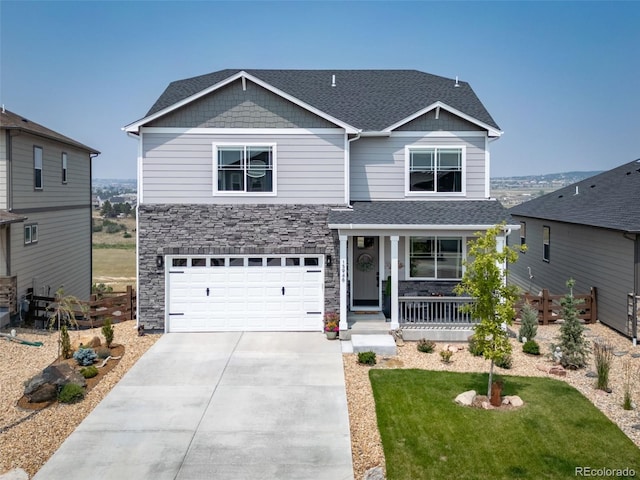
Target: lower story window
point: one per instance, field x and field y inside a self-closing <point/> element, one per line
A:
<point x="435" y="257"/>
<point x="30" y="233"/>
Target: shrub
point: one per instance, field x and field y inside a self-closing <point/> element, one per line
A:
<point x="107" y="332"/>
<point x="97" y="227"/>
<point x="85" y="356"/>
<point x="71" y="393"/>
<point x="89" y="372"/>
<point x="475" y="348"/>
<point x="367" y="358"/>
<point x="531" y="347"/>
<point x="65" y="342"/>
<point x="573" y="347"/>
<point x="103" y="352"/>
<point x="126" y="235"/>
<point x="426" y="346"/>
<point x="446" y="356"/>
<point x="627" y="403"/>
<point x="603" y="357"/>
<point x="505" y="362"/>
<point x="529" y="326"/>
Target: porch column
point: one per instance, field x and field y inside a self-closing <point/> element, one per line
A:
<point x="344" y="326"/>
<point x="395" y="323"/>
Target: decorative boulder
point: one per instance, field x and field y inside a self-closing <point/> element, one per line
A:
<point x="86" y="342"/>
<point x="513" y="400"/>
<point x="375" y="473"/>
<point x="44" y="386"/>
<point x="466" y="398"/>
<point x="558" y="370"/>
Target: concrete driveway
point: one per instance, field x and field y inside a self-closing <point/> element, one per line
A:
<point x="218" y="406"/>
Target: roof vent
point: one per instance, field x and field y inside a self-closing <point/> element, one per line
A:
<point x="457" y="84"/>
<point x="577" y="190"/>
<point x="560" y="196"/>
<point x="333" y="80"/>
<point x="3" y="110"/>
<point x="593" y="186"/>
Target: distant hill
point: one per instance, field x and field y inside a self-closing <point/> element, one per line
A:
<point x="565" y="177"/>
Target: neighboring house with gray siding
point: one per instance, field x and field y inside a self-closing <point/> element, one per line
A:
<point x="45" y="209"/>
<point x="588" y="231"/>
<point x="267" y="198"/>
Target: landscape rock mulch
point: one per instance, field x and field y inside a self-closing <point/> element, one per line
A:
<point x="28" y="437"/>
<point x="366" y="446"/>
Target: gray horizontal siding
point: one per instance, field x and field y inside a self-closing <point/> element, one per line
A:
<point x="446" y="121"/>
<point x="179" y="168"/>
<point x="77" y="190"/>
<point x="62" y="255"/>
<point x="378" y="166"/>
<point x="593" y="257"/>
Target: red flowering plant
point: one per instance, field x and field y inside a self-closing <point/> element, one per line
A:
<point x="331" y="322"/>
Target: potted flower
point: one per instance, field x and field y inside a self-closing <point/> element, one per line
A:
<point x="331" y="325"/>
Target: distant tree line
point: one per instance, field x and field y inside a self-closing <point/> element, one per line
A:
<point x="113" y="210"/>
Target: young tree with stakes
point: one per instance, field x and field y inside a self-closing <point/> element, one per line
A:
<point x="493" y="300"/>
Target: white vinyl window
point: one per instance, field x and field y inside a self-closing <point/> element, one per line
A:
<point x="432" y="170"/>
<point x="546" y="244"/>
<point x="64" y="167"/>
<point x="37" y="168"/>
<point x="435" y="257"/>
<point x="244" y="169"/>
<point x="30" y="233"/>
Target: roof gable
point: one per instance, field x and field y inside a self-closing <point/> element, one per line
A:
<point x="358" y="100"/>
<point x="608" y="200"/>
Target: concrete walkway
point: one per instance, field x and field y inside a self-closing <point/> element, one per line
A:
<point x="218" y="406"/>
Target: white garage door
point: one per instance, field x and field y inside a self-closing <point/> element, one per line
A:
<point x="253" y="293"/>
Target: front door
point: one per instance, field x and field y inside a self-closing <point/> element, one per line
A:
<point x="366" y="273"/>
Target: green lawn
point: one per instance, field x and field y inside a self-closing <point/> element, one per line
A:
<point x="426" y="435"/>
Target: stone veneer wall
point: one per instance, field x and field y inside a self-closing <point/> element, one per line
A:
<point x="228" y="229"/>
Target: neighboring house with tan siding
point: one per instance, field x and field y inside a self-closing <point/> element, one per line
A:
<point x="267" y="198"/>
<point x="588" y="231"/>
<point x="45" y="209"/>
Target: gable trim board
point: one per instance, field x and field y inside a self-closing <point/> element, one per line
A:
<point x="491" y="131"/>
<point x="134" y="127"/>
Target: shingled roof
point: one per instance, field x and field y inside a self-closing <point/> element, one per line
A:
<point x="607" y="200"/>
<point x="474" y="213"/>
<point x="13" y="121"/>
<point x="369" y="100"/>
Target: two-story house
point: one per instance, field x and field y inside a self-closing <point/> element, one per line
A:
<point x="45" y="212"/>
<point x="588" y="231"/>
<point x="269" y="197"/>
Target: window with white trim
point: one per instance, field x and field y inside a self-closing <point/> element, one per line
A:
<point x="435" y="257"/>
<point x="244" y="169"/>
<point x="64" y="167"/>
<point x="30" y="233"/>
<point x="434" y="169"/>
<point x="546" y="243"/>
<point x="523" y="233"/>
<point x="37" y="168"/>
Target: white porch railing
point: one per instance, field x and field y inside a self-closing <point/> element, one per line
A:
<point x="434" y="311"/>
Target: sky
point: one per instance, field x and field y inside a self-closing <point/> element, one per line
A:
<point x="560" y="78"/>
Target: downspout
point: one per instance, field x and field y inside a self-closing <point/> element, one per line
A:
<point x="9" y="205"/>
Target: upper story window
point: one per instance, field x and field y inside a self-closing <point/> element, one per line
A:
<point x="37" y="168"/>
<point x="546" y="244"/>
<point x="64" y="167"/>
<point x="244" y="169"/>
<point x="434" y="169"/>
<point x="523" y="233"/>
<point x="435" y="257"/>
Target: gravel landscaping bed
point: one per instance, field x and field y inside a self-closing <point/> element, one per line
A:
<point x="29" y="438"/>
<point x="365" y="439"/>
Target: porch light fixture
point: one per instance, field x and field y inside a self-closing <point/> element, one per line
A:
<point x="159" y="261"/>
<point x="328" y="263"/>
